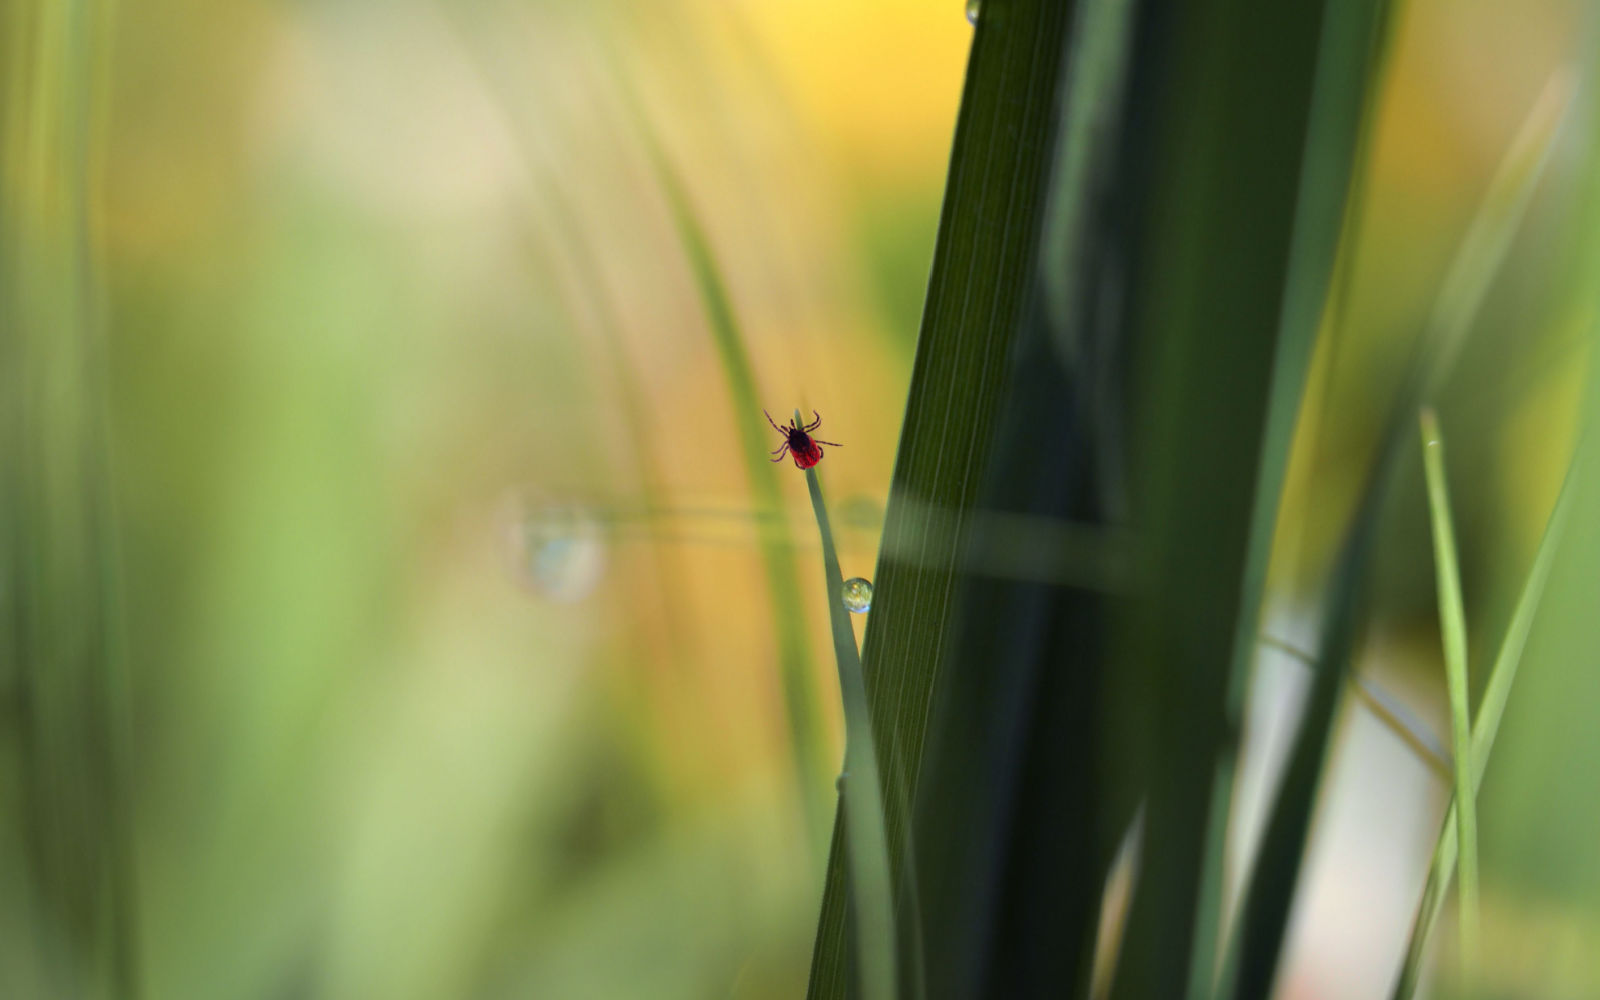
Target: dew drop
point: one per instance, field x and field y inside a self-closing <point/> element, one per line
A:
<point x="838" y="783"/>
<point x="857" y="595"/>
<point x="973" y="8"/>
<point x="555" y="549"/>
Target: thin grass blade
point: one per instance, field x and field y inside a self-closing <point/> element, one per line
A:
<point x="866" y="843"/>
<point x="777" y="553"/>
<point x="1487" y="725"/>
<point x="1453" y="625"/>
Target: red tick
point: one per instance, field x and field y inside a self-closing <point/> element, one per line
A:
<point x="798" y="441"/>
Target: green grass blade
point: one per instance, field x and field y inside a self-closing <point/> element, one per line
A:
<point x="866" y="844"/>
<point x="1453" y="624"/>
<point x="1227" y="305"/>
<point x="1252" y="958"/>
<point x="1352" y="64"/>
<point x="1491" y="710"/>
<point x="558" y="241"/>
<point x="777" y="553"/>
<point x="982" y="277"/>
<point x="67" y="828"/>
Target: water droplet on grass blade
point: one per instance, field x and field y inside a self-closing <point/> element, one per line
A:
<point x="857" y="595"/>
<point x="557" y="550"/>
<point x="973" y="9"/>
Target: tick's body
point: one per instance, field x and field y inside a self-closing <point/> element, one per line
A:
<point x="797" y="441"/>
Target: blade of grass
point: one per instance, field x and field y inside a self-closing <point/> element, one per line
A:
<point x="1252" y="958"/>
<point x="1257" y="938"/>
<point x="1011" y="887"/>
<point x="1352" y="66"/>
<point x="866" y="843"/>
<point x="1226" y="305"/>
<point x="984" y="269"/>
<point x="62" y="670"/>
<point x="777" y="553"/>
<point x="776" y="548"/>
<point x="1453" y="624"/>
<point x="562" y="244"/>
<point x="1491" y="710"/>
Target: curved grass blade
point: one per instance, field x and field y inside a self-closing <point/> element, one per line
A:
<point x="1490" y="711"/>
<point x="1453" y="625"/>
<point x="777" y="554"/>
<point x="866" y="843"/>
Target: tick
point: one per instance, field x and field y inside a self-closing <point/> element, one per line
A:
<point x="797" y="441"/>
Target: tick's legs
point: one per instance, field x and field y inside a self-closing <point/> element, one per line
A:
<point x="781" y="451"/>
<point x="778" y="448"/>
<point x="815" y="423"/>
<point x="774" y="424"/>
<point x="833" y="444"/>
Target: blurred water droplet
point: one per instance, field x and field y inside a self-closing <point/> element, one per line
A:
<point x="557" y="550"/>
<point x="838" y="783"/>
<point x="857" y="595"/>
<point x="973" y="7"/>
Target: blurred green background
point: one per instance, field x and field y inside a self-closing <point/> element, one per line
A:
<point x="424" y="571"/>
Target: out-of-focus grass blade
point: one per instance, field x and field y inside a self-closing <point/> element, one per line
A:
<point x="1453" y="626"/>
<point x="1491" y="710"/>
<point x="1352" y="63"/>
<point x="1225" y="307"/>
<point x="1252" y="959"/>
<point x="866" y="844"/>
<point x="777" y="554"/>
<point x="67" y="851"/>
<point x="983" y="271"/>
<point x="567" y="247"/>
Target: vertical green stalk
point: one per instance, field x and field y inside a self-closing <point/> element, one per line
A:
<point x="1452" y="622"/>
<point x="866" y="842"/>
